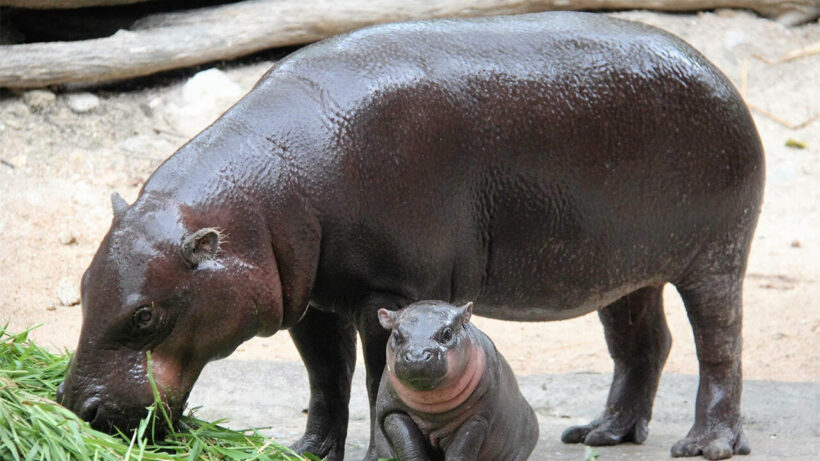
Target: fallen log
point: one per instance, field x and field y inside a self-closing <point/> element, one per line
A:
<point x="172" y="40"/>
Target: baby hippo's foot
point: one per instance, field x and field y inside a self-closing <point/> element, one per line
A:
<point x="609" y="429"/>
<point x="715" y="443"/>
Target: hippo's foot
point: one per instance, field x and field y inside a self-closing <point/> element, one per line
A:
<point x="328" y="448"/>
<point x="609" y="430"/>
<point x="713" y="443"/>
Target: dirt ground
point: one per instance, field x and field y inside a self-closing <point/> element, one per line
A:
<point x="62" y="158"/>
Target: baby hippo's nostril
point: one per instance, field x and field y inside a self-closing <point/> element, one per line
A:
<point x="418" y="357"/>
<point x="89" y="409"/>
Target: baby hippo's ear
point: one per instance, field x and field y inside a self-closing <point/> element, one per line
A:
<point x="387" y="318"/>
<point x="465" y="312"/>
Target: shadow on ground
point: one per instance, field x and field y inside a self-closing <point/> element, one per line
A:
<point x="781" y="419"/>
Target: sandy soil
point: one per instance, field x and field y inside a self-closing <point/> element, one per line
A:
<point x="59" y="166"/>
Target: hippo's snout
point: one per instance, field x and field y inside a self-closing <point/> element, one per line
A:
<point x="423" y="369"/>
<point x="103" y="416"/>
<point x="86" y="409"/>
<point x="118" y="404"/>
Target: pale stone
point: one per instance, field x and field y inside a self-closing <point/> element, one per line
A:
<point x="66" y="238"/>
<point x="82" y="102"/>
<point x="67" y="292"/>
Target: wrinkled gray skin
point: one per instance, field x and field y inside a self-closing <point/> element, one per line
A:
<point x="430" y="345"/>
<point x="545" y="166"/>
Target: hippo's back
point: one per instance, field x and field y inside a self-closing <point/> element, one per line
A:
<point x="556" y="161"/>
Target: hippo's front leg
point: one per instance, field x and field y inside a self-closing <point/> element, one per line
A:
<point x="327" y="344"/>
<point x="468" y="440"/>
<point x="405" y="438"/>
<point x="374" y="342"/>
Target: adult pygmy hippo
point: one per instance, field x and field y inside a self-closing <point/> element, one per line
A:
<point x="447" y="392"/>
<point x="545" y="166"/>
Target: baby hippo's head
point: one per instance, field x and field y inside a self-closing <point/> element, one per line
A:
<point x="430" y="343"/>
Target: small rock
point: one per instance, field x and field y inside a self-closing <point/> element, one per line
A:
<point x="67" y="292"/>
<point x="51" y="308"/>
<point x="796" y="244"/>
<point x="67" y="238"/>
<point x="82" y="102"/>
<point x="39" y="99"/>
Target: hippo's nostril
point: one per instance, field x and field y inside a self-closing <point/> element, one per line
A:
<point x="418" y="357"/>
<point x="89" y="409"/>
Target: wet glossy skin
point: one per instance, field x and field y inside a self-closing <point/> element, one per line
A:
<point x="447" y="392"/>
<point x="545" y="166"/>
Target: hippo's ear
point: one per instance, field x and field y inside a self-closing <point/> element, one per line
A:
<point x="387" y="318"/>
<point x="465" y="312"/>
<point x="118" y="204"/>
<point x="200" y="246"/>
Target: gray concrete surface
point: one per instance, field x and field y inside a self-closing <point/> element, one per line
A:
<point x="781" y="419"/>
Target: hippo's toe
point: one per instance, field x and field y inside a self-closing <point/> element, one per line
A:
<point x="721" y="444"/>
<point x="608" y="430"/>
<point x="328" y="448"/>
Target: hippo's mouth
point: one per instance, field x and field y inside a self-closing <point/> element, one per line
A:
<point x="110" y="418"/>
<point x="423" y="383"/>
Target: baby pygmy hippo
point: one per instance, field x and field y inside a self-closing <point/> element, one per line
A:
<point x="446" y="392"/>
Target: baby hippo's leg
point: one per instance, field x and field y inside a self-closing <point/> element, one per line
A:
<point x="468" y="440"/>
<point x="405" y="438"/>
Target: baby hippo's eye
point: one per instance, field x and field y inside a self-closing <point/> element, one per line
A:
<point x="144" y="317"/>
<point x="446" y="335"/>
<point x="397" y="337"/>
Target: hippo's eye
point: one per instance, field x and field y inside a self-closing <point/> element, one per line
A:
<point x="143" y="317"/>
<point x="397" y="337"/>
<point x="446" y="335"/>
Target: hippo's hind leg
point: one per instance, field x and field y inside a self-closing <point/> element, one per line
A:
<point x="639" y="342"/>
<point x="713" y="300"/>
<point x="327" y="344"/>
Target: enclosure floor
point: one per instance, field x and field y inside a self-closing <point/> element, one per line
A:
<point x="781" y="419"/>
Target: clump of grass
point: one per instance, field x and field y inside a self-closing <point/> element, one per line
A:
<point x="34" y="427"/>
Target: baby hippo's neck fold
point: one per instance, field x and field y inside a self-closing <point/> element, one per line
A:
<point x="456" y="388"/>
